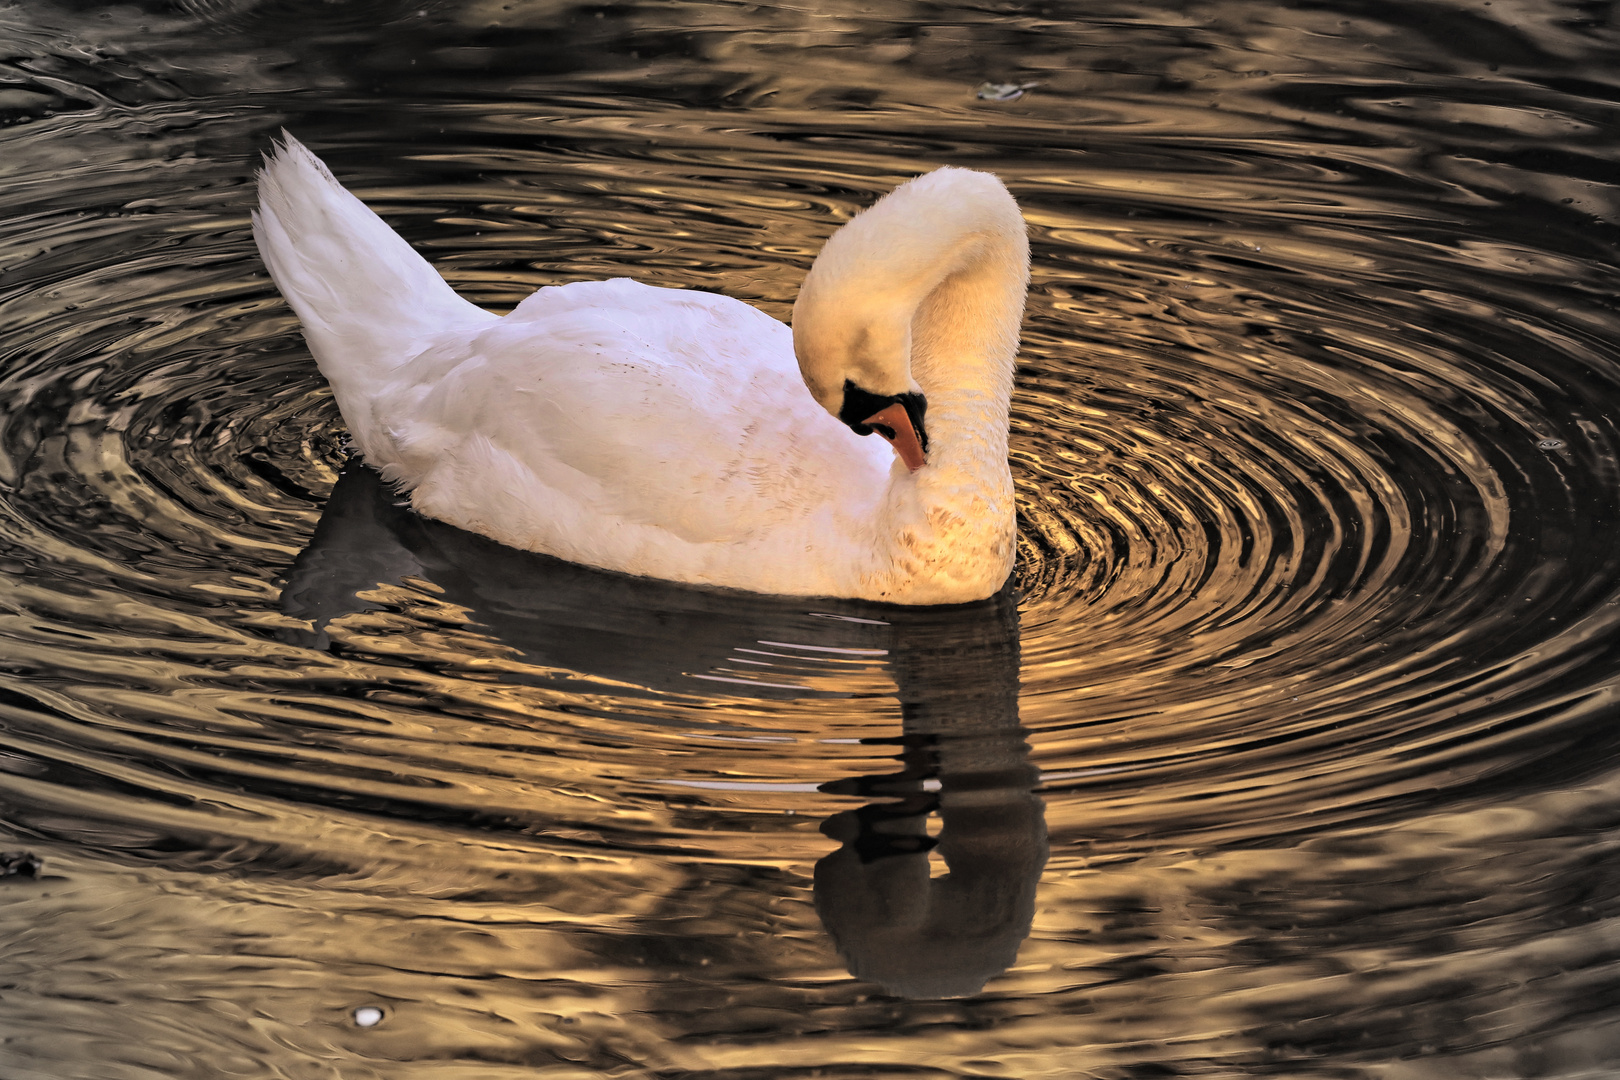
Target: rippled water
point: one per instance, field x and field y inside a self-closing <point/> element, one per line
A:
<point x="1293" y="752"/>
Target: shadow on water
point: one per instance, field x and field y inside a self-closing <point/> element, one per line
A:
<point x="955" y="670"/>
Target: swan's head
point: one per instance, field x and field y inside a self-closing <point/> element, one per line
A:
<point x="939" y="266"/>
<point x="857" y="365"/>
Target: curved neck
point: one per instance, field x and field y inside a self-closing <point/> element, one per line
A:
<point x="957" y="512"/>
<point x="925" y="292"/>
<point x="964" y="343"/>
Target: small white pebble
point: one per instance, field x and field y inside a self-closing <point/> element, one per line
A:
<point x="368" y="1016"/>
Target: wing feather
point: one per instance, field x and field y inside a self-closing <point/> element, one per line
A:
<point x="627" y="403"/>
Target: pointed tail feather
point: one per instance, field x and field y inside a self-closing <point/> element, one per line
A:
<point x="368" y="302"/>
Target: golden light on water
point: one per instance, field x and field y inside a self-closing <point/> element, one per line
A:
<point x="1290" y="754"/>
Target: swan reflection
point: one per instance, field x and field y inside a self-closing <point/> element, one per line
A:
<point x="963" y="756"/>
<point x="961" y="751"/>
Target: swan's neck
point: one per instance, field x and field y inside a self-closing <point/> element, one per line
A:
<point x="951" y="524"/>
<point x="964" y="342"/>
<point x="925" y="291"/>
<point x="944" y="272"/>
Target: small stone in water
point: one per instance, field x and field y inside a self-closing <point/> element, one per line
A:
<point x="368" y="1016"/>
<point x="1550" y="444"/>
<point x="1004" y="91"/>
<point x="19" y="864"/>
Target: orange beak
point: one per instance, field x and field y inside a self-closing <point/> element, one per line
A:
<point x="895" y="425"/>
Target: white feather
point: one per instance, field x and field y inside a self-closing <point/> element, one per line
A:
<point x="669" y="433"/>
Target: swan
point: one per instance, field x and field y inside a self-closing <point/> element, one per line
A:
<point x="668" y="433"/>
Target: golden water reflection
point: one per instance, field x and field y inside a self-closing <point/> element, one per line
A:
<point x="1292" y="754"/>
<point x="963" y="753"/>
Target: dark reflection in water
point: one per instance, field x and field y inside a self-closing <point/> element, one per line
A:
<point x="915" y="935"/>
<point x="1313" y="674"/>
<point x="956" y="676"/>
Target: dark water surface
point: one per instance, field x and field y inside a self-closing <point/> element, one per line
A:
<point x="1294" y="753"/>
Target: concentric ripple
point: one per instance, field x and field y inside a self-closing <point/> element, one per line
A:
<point x="1290" y="752"/>
<point x="1338" y="511"/>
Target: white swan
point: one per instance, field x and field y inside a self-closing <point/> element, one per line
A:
<point x="667" y="433"/>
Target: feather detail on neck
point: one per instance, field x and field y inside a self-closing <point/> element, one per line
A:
<point x="925" y="291"/>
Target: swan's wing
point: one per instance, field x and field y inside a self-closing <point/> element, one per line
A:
<point x="619" y="402"/>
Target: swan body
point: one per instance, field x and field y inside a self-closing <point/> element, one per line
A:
<point x="668" y="433"/>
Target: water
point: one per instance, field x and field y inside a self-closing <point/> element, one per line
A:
<point x="1293" y="752"/>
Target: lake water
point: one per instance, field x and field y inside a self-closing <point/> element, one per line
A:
<point x="1293" y="752"/>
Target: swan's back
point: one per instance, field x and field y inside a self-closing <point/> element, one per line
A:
<point x="623" y="425"/>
